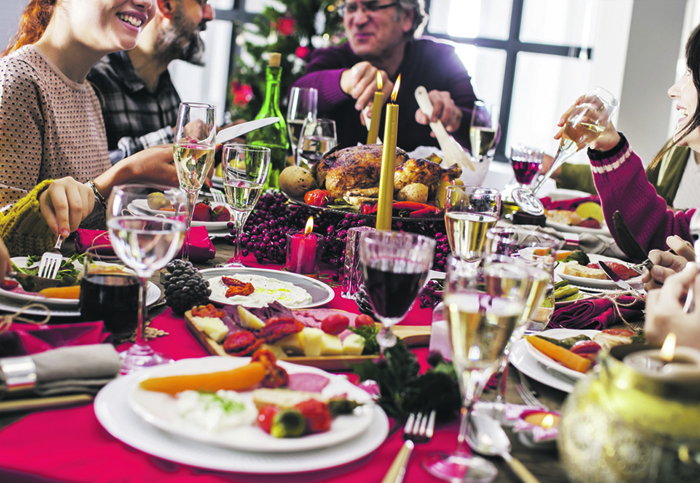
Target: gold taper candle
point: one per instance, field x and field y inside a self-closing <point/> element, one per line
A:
<point x="376" y="112"/>
<point x="386" y="181"/>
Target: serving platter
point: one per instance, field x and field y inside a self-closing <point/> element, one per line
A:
<point x="606" y="284"/>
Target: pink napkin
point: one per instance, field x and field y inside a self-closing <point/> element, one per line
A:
<point x="22" y="339"/>
<point x="597" y="314"/>
<point x="201" y="247"/>
<point x="569" y="205"/>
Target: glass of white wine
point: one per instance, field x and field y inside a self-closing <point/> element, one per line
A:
<point x="245" y="169"/>
<point x="469" y="213"/>
<point x="583" y="126"/>
<point x="145" y="241"/>
<point x="483" y="131"/>
<point x="317" y="138"/>
<point x="302" y="107"/>
<point x="193" y="151"/>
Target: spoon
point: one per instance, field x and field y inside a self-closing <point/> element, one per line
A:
<point x="487" y="438"/>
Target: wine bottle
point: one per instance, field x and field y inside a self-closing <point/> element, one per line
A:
<point x="275" y="136"/>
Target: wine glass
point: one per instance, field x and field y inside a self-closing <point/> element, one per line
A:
<point x="302" y="106"/>
<point x="245" y="169"/>
<point x="483" y="130"/>
<point x="145" y="241"/>
<point x="317" y="138"/>
<point x="469" y="212"/>
<point x="480" y="325"/>
<point x="583" y="126"/>
<point x="395" y="266"/>
<point x="526" y="163"/>
<point x="194" y="138"/>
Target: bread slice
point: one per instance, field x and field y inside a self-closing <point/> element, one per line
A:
<point x="576" y="270"/>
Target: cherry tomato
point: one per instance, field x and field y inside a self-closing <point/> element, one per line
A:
<point x="265" y="416"/>
<point x="318" y="418"/>
<point x="334" y="324"/>
<point x="363" y="319"/>
<point x="318" y="198"/>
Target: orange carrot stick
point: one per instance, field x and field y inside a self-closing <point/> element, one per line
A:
<point x="238" y="379"/>
<point x="559" y="354"/>
<point x="62" y="292"/>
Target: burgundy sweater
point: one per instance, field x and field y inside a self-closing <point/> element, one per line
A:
<point x="622" y="185"/>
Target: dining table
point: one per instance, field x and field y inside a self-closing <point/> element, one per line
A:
<point x="69" y="444"/>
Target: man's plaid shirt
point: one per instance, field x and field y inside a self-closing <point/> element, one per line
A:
<point x="135" y="118"/>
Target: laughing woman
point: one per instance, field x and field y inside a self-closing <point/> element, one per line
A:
<point x="50" y="118"/>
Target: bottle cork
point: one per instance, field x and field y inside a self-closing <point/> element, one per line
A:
<point x="275" y="58"/>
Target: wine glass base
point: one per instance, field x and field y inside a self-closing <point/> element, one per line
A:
<point x="462" y="468"/>
<point x="139" y="357"/>
<point x="527" y="201"/>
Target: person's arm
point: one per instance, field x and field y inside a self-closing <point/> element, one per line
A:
<point x="323" y="73"/>
<point x="128" y="146"/>
<point x="576" y="177"/>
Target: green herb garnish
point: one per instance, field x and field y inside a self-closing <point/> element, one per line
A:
<point x="369" y="334"/>
<point x="212" y="399"/>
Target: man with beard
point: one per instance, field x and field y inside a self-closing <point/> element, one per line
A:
<point x="139" y="100"/>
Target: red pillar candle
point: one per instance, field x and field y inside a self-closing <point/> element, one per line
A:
<point x="304" y="250"/>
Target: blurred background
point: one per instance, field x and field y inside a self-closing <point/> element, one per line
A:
<point x="533" y="58"/>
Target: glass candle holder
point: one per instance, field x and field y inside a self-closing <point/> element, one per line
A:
<point x="352" y="273"/>
<point x="304" y="252"/>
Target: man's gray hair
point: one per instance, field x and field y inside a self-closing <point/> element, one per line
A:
<point x="420" y="18"/>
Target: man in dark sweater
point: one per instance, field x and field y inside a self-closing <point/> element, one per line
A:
<point x="382" y="38"/>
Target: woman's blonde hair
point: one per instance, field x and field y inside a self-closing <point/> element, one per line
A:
<point x="32" y="25"/>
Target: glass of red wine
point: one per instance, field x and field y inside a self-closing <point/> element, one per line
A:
<point x="526" y="162"/>
<point x="395" y="266"/>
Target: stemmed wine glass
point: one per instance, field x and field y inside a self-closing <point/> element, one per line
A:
<point x="145" y="242"/>
<point x="583" y="126"/>
<point x="302" y="106"/>
<point x="480" y="325"/>
<point x="245" y="169"/>
<point x="483" y="130"/>
<point x="195" y="141"/>
<point x="469" y="212"/>
<point x="526" y="163"/>
<point x="317" y="138"/>
<point x="395" y="266"/>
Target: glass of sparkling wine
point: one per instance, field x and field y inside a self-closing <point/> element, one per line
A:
<point x="583" y="126"/>
<point x="469" y="212"/>
<point x="303" y="103"/>
<point x="145" y="240"/>
<point x="395" y="266"/>
<point x="193" y="150"/>
<point x="245" y="169"/>
<point x="483" y="130"/>
<point x="317" y="138"/>
<point x="480" y="323"/>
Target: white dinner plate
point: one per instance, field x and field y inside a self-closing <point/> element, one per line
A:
<point x="523" y="361"/>
<point x="550" y="363"/>
<point x="603" y="230"/>
<point x="320" y="293"/>
<point x="114" y="414"/>
<point x="160" y="410"/>
<point x="606" y="284"/>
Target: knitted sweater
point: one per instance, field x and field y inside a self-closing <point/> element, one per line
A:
<point x="623" y="186"/>
<point x="23" y="228"/>
<point x="50" y="127"/>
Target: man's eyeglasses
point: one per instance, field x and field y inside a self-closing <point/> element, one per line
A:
<point x="371" y="6"/>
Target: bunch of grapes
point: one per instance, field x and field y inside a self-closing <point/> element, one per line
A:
<point x="428" y="297"/>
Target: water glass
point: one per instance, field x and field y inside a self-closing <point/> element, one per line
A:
<point x="469" y="212"/>
<point x="352" y="272"/>
<point x="317" y="138"/>
<point x="303" y="103"/>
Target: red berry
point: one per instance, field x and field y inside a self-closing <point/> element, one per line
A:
<point x="363" y="319"/>
<point x="334" y="324"/>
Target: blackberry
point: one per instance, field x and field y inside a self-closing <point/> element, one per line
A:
<point x="184" y="287"/>
<point x="362" y="301"/>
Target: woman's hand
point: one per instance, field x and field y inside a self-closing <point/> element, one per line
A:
<point x="64" y="205"/>
<point x="664" y="310"/>
<point x="605" y="142"/>
<point x="667" y="263"/>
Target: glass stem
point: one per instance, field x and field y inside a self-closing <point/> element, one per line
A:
<point x="141" y="344"/>
<point x="465" y="421"/>
<point x="558" y="161"/>
<point x="191" y="201"/>
<point x="239" y="219"/>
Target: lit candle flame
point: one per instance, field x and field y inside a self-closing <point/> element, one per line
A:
<point x="668" y="348"/>
<point x="309" y="225"/>
<point x="380" y="84"/>
<point x="395" y="92"/>
<point x="548" y="421"/>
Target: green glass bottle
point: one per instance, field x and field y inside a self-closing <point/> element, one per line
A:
<point x="274" y="136"/>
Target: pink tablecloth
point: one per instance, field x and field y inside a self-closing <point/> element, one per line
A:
<point x="70" y="444"/>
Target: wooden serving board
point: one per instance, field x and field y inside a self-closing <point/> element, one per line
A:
<point x="411" y="335"/>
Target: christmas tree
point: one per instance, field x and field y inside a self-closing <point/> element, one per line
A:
<point x="294" y="31"/>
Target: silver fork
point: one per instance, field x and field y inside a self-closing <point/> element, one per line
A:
<point x="525" y="393"/>
<point x="218" y="195"/>
<point x="418" y="429"/>
<point x="51" y="261"/>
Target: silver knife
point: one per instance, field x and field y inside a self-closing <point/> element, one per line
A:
<point x="616" y="278"/>
<point x="241" y="129"/>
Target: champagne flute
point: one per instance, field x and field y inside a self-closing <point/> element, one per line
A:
<point x="302" y="106"/>
<point x="583" y="126"/>
<point x="245" y="169"/>
<point x="469" y="212"/>
<point x="195" y="135"/>
<point x="395" y="266"/>
<point x="480" y="325"/>
<point x="526" y="163"/>
<point x="317" y="138"/>
<point x="145" y="242"/>
<point x="483" y="130"/>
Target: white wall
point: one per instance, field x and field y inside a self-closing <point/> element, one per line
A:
<point x="9" y="20"/>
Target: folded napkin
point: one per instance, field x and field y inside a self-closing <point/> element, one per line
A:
<point x="568" y="205"/>
<point x="201" y="247"/>
<point x="82" y="369"/>
<point x="598" y="314"/>
<point x="23" y="339"/>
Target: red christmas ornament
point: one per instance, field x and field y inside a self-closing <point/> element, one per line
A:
<point x="285" y="26"/>
<point x="302" y="52"/>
